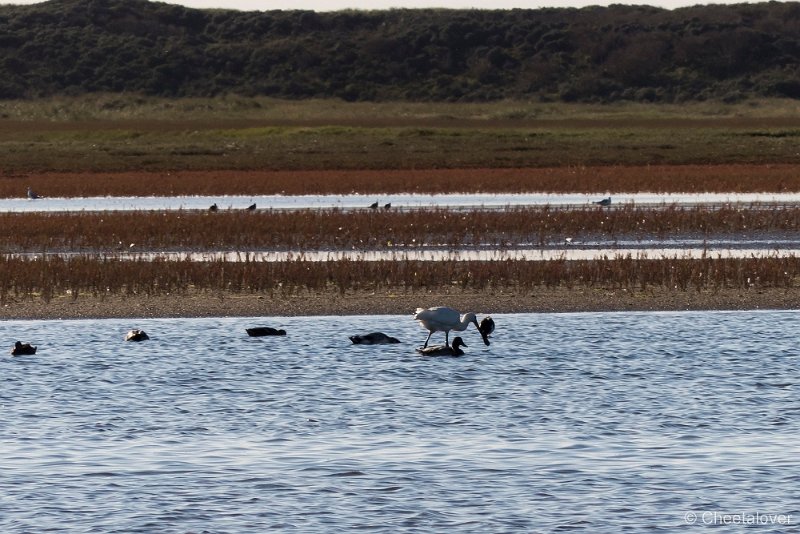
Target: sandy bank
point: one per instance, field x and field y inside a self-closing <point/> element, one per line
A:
<point x="362" y="303"/>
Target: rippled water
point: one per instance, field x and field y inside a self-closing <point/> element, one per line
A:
<point x="397" y="201"/>
<point x="595" y="422"/>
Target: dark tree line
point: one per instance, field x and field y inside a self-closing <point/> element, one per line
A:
<point x="592" y="54"/>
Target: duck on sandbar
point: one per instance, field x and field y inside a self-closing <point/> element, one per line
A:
<point x="444" y="350"/>
<point x="373" y="338"/>
<point x="23" y="349"/>
<point x="136" y="335"/>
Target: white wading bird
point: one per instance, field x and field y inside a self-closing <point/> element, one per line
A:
<point x="442" y="319"/>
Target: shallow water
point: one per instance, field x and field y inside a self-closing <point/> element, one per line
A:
<point x="400" y="201"/>
<point x="572" y="253"/>
<point x="593" y="422"/>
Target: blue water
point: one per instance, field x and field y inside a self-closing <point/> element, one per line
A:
<point x="593" y="422"/>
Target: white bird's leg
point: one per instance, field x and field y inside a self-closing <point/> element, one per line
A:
<point x="429" y="338"/>
<point x="447" y="338"/>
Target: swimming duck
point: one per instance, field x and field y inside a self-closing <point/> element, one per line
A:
<point x="213" y="207"/>
<point x="444" y="350"/>
<point x="251" y="207"/>
<point x="373" y="338"/>
<point x="136" y="335"/>
<point x="259" y="331"/>
<point x="22" y="349"/>
<point x="605" y="202"/>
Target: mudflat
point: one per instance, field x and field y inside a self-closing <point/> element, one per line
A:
<point x="217" y="304"/>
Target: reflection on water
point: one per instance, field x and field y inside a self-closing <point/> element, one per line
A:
<point x="594" y="422"/>
<point x="398" y="201"/>
<point x="438" y="254"/>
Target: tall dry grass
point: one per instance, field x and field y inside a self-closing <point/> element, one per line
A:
<point x="366" y="229"/>
<point x="47" y="277"/>
<point x="567" y="179"/>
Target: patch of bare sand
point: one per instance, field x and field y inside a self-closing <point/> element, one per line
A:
<point x="205" y="304"/>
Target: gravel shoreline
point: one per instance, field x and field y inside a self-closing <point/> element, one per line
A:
<point x="207" y="304"/>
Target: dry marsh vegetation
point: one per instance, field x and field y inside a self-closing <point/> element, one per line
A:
<point x="336" y="229"/>
<point x="101" y="275"/>
<point x="98" y="276"/>
<point x="568" y="179"/>
<point x="133" y="146"/>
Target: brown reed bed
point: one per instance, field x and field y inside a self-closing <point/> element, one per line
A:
<point x="366" y="229"/>
<point x="567" y="179"/>
<point x="98" y="276"/>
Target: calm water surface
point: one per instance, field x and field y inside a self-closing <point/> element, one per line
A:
<point x="398" y="201"/>
<point x="594" y="422"/>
